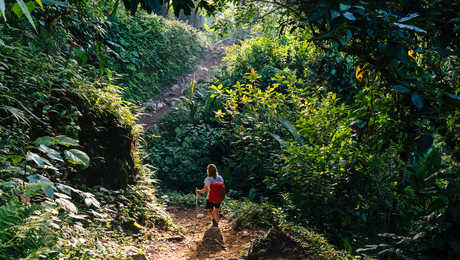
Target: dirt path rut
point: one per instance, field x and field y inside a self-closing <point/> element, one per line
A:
<point x="198" y="239"/>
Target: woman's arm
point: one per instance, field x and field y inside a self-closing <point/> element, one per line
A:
<point x="202" y="190"/>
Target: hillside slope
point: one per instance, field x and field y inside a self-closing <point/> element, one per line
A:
<point x="72" y="184"/>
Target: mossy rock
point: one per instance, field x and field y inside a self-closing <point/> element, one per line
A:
<point x="111" y="146"/>
<point x="275" y="244"/>
<point x="294" y="242"/>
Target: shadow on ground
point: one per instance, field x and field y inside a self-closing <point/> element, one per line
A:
<point x="211" y="243"/>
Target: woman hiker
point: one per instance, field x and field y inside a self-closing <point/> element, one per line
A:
<point x="214" y="185"/>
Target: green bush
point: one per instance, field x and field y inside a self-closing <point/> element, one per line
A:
<point x="182" y="158"/>
<point x="290" y="54"/>
<point x="178" y="199"/>
<point x="246" y="214"/>
<point x="332" y="142"/>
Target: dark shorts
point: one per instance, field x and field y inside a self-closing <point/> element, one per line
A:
<point x="210" y="205"/>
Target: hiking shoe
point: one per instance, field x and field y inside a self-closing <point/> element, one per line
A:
<point x="214" y="223"/>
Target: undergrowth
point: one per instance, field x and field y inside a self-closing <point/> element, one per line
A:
<point x="72" y="185"/>
<point x="303" y="128"/>
<point x="153" y="51"/>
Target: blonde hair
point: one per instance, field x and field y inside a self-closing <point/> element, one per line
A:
<point x="212" y="171"/>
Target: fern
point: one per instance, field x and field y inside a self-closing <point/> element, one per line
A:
<point x="17" y="114"/>
<point x="25" y="229"/>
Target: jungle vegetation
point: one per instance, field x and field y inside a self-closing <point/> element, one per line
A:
<point x="337" y="121"/>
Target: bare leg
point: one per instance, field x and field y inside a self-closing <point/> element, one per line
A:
<point x="216" y="214"/>
<point x="210" y="214"/>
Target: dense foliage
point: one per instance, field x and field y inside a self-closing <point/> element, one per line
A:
<point x="344" y="121"/>
<point x="339" y="140"/>
<point x="412" y="46"/>
<point x="151" y="52"/>
<point x="67" y="137"/>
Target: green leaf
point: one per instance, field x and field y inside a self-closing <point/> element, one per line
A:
<point x="344" y="7"/>
<point x="66" y="141"/>
<point x="25" y="10"/>
<point x="16" y="9"/>
<point x="410" y="27"/>
<point x="47" y="187"/>
<point x="432" y="160"/>
<point x="349" y="35"/>
<point x="45" y="140"/>
<point x="51" y="153"/>
<point x="91" y="200"/>
<point x="36" y="159"/>
<point x="417" y="100"/>
<point x="75" y="156"/>
<point x="347" y="246"/>
<point x="401" y="89"/>
<point x="453" y="96"/>
<point x="334" y="14"/>
<point x="291" y="130"/>
<point x="17" y="113"/>
<point x="350" y="16"/>
<point x="49" y="191"/>
<point x="66" y="189"/>
<point x="67" y="204"/>
<point x="37" y="179"/>
<point x="39" y="2"/>
<point x="278" y="138"/>
<point x="2" y="9"/>
<point x="84" y="58"/>
<point x="114" y="11"/>
<point x="109" y="74"/>
<point x="252" y="193"/>
<point x="409" y="17"/>
<point x="15" y="158"/>
<point x="19" y="170"/>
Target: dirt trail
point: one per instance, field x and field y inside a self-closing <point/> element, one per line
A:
<point x="162" y="103"/>
<point x="198" y="239"/>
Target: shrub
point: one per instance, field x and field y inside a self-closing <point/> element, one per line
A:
<point x="246" y="214"/>
<point x="183" y="157"/>
<point x="290" y="54"/>
<point x="178" y="199"/>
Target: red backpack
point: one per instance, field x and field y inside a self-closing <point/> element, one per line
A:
<point x="216" y="192"/>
